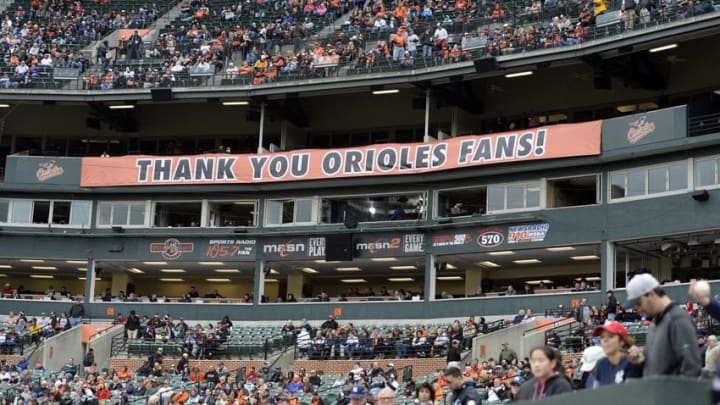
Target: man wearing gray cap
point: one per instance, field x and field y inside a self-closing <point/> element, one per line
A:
<point x="671" y="348"/>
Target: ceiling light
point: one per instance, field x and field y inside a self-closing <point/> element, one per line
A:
<point x="450" y="266"/>
<point x="121" y="107"/>
<point x="588" y="257"/>
<point x="449" y="278"/>
<point x="5" y="266"/>
<point x="519" y="74"/>
<point x="693" y="242"/>
<point x="388" y="91"/>
<point x="403" y="267"/>
<point x="135" y="270"/>
<point x="218" y="280"/>
<point x="401" y="279"/>
<point x="273" y="271"/>
<point x="172" y="280"/>
<point x="44" y="276"/>
<point x="3" y="275"/>
<point x="348" y="269"/>
<point x="235" y="102"/>
<point x="271" y="280"/>
<point x="309" y="270"/>
<point x="76" y="261"/>
<point x="353" y="280"/>
<point x="32" y="260"/>
<point x="648" y="106"/>
<point x="384" y="259"/>
<point x="502" y="253"/>
<point x="211" y="263"/>
<point x="536" y="282"/>
<point x="627" y="108"/>
<point x="172" y="270"/>
<point x="526" y="261"/>
<point x="488" y="263"/>
<point x="592" y="279"/>
<point x="717" y="92"/>
<point x="227" y="270"/>
<point x="325" y="261"/>
<point x="4" y="105"/>
<point x="82" y="269"/>
<point x="663" y="48"/>
<point x="44" y="267"/>
<point x="85" y="278"/>
<point x="560" y="249"/>
<point x="156" y="263"/>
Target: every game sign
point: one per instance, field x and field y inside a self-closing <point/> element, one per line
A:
<point x="375" y="160"/>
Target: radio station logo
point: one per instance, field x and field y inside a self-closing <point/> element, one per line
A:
<point x="490" y="237"/>
<point x="172" y="248"/>
<point x="48" y="170"/>
<point x="230" y="248"/>
<point x="285" y="249"/>
<point x="455" y="239"/>
<point x="527" y="233"/>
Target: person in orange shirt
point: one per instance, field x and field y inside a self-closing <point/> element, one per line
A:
<point x="461" y="4"/>
<point x="125" y="373"/>
<point x="245" y="69"/>
<point x="181" y="397"/>
<point x="196" y="375"/>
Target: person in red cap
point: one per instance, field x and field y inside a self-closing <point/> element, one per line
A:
<point x="614" y="368"/>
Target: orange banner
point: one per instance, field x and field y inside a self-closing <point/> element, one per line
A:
<point x="552" y="142"/>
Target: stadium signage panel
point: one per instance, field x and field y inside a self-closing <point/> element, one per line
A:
<point x="489" y="238"/>
<point x="551" y="142"/>
<point x="366" y="246"/>
<point x="644" y="128"/>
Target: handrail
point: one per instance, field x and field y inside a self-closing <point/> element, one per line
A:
<point x="554" y="325"/>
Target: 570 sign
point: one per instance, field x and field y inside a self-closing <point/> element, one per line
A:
<point x="490" y="237"/>
<point x="230" y="248"/>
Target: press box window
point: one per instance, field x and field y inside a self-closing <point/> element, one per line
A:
<point x="178" y="215"/>
<point x="121" y="214"/>
<point x="649" y="181"/>
<point x="231" y="213"/>
<point x="282" y="212"/>
<point x="706" y="173"/>
<point x="518" y="196"/>
<point x="572" y="191"/>
<point x="461" y="202"/>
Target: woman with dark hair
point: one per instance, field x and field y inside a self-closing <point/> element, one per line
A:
<point x="424" y="394"/>
<point x="548" y="377"/>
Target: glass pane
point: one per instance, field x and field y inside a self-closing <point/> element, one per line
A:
<point x="119" y="214"/>
<point x="61" y="212"/>
<point x="288" y="210"/>
<point x="533" y="196"/>
<point x="303" y="211"/>
<point x="705" y="173"/>
<point x="80" y="214"/>
<point x="21" y="211"/>
<point x="678" y="177"/>
<point x="515" y="197"/>
<point x="41" y="212"/>
<point x="656" y="180"/>
<point x="137" y="214"/>
<point x="496" y="198"/>
<point x="617" y="186"/>
<point x="103" y="214"/>
<point x="4" y="207"/>
<point x="636" y="183"/>
<point x="273" y="212"/>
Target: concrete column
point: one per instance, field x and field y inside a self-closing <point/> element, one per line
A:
<point x="607" y="265"/>
<point x="295" y="283"/>
<point x="259" y="281"/>
<point x="90" y="281"/>
<point x="473" y="281"/>
<point x="119" y="282"/>
<point x="290" y="136"/>
<point x="430" y="275"/>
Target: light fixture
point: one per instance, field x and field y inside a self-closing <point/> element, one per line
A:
<point x="587" y="257"/>
<point x="717" y="92"/>
<point x="348" y="269"/>
<point x="519" y="74"/>
<point x="3" y="275"/>
<point x="450" y="266"/>
<point x="5" y="266"/>
<point x="44" y="267"/>
<point x="218" y="280"/>
<point x="172" y="280"/>
<point x="626" y="108"/>
<point x="227" y="270"/>
<point x="32" y="260"/>
<point x="400" y="279"/>
<point x="320" y="261"/>
<point x="135" y="270"/>
<point x="211" y="263"/>
<point x="502" y="253"/>
<point x="488" y="263"/>
<point x="121" y="106"/>
<point x="273" y="271"/>
<point x="85" y="278"/>
<point x="235" y="103"/>
<point x="663" y="48"/>
<point x="353" y="280"/>
<point x="649" y="105"/>
<point x="271" y="280"/>
<point x="693" y="242"/>
<point x="155" y="263"/>
<point x="526" y="261"/>
<point x="716" y="241"/>
<point x="172" y="270"/>
<point x="82" y="269"/>
<point x="387" y="91"/>
<point x="384" y="259"/>
<point x="665" y="246"/>
<point x="536" y="282"/>
<point x="43" y="276"/>
<point x="76" y="261"/>
<point x="560" y="249"/>
<point x="309" y="270"/>
<point x="403" y="267"/>
<point x="449" y="278"/>
<point x="4" y="105"/>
